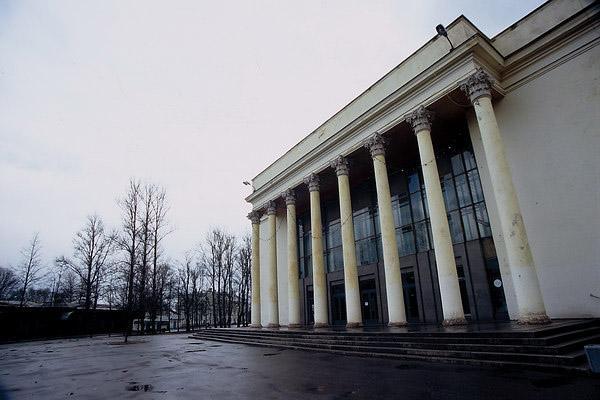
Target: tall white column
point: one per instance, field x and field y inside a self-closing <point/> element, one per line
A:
<point x="254" y="217"/>
<point x="272" y="295"/>
<point x="391" y="260"/>
<point x="520" y="260"/>
<point x="442" y="241"/>
<point x="351" y="285"/>
<point x="292" y="247"/>
<point x="318" y="261"/>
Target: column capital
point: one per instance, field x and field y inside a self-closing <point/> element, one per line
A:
<point x="340" y="164"/>
<point x="420" y="119"/>
<point x="376" y="145"/>
<point x="271" y="208"/>
<point x="289" y="196"/>
<point x="254" y="216"/>
<point x="478" y="85"/>
<point x="312" y="181"/>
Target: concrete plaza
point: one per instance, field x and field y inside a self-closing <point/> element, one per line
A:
<point x="174" y="366"/>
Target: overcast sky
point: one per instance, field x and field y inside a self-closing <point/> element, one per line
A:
<point x="196" y="96"/>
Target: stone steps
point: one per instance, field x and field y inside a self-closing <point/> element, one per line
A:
<point x="458" y="338"/>
<point x="461" y="361"/>
<point x="561" y="348"/>
<point x="555" y="347"/>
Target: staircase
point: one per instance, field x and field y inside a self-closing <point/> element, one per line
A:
<point x="558" y="346"/>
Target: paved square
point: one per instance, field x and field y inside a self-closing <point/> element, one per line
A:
<point x="176" y="367"/>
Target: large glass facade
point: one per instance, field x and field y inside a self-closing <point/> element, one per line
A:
<point x="463" y="197"/>
<point x="304" y="250"/>
<point x="333" y="247"/>
<point x="366" y="236"/>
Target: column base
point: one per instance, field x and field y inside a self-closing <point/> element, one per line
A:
<point x="454" y="322"/>
<point x="294" y="326"/>
<point x="273" y="326"/>
<point x="397" y="324"/>
<point x="534" y="319"/>
<point x="320" y="325"/>
<point x="352" y="325"/>
<point x="256" y="326"/>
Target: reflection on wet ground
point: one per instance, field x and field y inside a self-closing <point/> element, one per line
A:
<point x="173" y="366"/>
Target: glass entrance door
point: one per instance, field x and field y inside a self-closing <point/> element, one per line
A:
<point x="409" y="289"/>
<point x="368" y="300"/>
<point x="309" y="308"/>
<point x="338" y="304"/>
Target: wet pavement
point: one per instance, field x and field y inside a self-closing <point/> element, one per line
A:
<point x="176" y="367"/>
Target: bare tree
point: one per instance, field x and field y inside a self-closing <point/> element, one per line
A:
<point x="187" y="285"/>
<point x="8" y="282"/>
<point x="145" y="224"/>
<point x="159" y="232"/>
<point x="243" y="270"/>
<point x="30" y="268"/>
<point x="218" y="257"/>
<point x="92" y="248"/>
<point x="130" y="205"/>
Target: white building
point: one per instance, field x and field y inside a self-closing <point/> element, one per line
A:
<point x="473" y="187"/>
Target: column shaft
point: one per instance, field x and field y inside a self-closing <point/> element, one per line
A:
<point x="442" y="241"/>
<point x="522" y="267"/>
<point x="272" y="294"/>
<point x="391" y="260"/>
<point x="293" y="276"/>
<point x="351" y="285"/>
<point x="255" y="274"/>
<point x="318" y="261"/>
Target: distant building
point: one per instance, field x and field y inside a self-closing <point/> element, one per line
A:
<point x="463" y="185"/>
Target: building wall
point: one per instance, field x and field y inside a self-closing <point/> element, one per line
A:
<point x="550" y="126"/>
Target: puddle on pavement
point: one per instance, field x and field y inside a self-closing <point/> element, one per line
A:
<point x="138" y="387"/>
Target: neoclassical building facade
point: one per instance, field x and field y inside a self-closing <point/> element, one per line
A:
<point x="462" y="186"/>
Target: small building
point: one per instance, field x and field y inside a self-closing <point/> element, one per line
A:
<point x="461" y="186"/>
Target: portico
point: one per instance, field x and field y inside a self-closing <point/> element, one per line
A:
<point x="403" y="206"/>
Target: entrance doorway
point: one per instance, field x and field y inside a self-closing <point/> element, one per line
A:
<point x="368" y="300"/>
<point x="309" y="306"/>
<point x="409" y="289"/>
<point x="338" y="304"/>
<point x="494" y="280"/>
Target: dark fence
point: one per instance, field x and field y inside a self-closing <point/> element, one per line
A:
<point x="50" y="322"/>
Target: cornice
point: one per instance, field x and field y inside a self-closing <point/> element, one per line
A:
<point x="554" y="42"/>
<point x="471" y="54"/>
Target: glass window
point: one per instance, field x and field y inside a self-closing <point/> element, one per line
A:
<point x="406" y="240"/>
<point x="422" y="237"/>
<point x="469" y="160"/>
<point x="335" y="259"/>
<point x="455" y="227"/>
<point x="475" y="185"/>
<point x="334" y="235"/>
<point x="483" y="221"/>
<point x="413" y="183"/>
<point x="363" y="225"/>
<point x="449" y="194"/>
<point x="462" y="190"/>
<point x="469" y="224"/>
<point x="457" y="165"/>
<point x="366" y="251"/>
<point x="417" y="206"/>
<point x="401" y="209"/>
